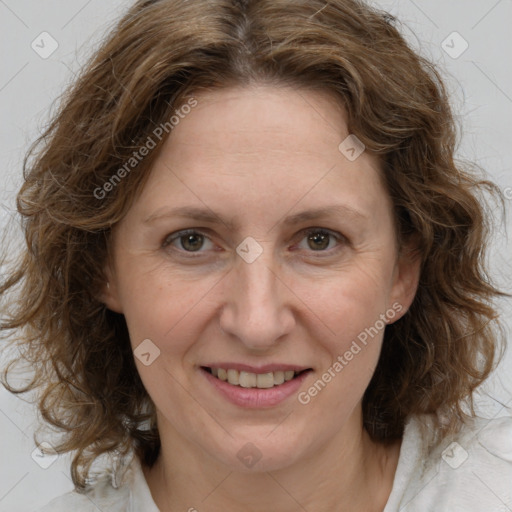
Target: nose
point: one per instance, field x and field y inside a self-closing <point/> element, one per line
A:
<point x="258" y="311"/>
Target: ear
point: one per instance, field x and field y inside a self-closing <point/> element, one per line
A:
<point x="110" y="292"/>
<point x="405" y="280"/>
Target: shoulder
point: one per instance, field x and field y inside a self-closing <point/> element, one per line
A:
<point x="475" y="468"/>
<point x="468" y="471"/>
<point x="102" y="495"/>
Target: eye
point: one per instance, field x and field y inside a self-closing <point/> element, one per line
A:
<point x="188" y="241"/>
<point x="320" y="240"/>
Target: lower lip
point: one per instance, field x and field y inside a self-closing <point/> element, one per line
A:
<point x="256" y="398"/>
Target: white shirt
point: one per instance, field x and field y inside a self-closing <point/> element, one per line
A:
<point x="470" y="472"/>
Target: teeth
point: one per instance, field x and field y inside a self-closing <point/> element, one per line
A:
<point x="289" y="375"/>
<point x="278" y="378"/>
<point x="253" y="380"/>
<point x="247" y="380"/>
<point x="233" y="377"/>
<point x="265" y="380"/>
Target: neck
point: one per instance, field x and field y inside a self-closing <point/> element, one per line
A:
<point x="351" y="473"/>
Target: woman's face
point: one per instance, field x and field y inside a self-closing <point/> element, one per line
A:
<point x="259" y="246"/>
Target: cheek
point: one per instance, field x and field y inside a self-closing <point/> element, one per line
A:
<point x="349" y="302"/>
<point x="172" y="312"/>
<point x="338" y="390"/>
<point x="158" y="304"/>
<point x="352" y="349"/>
<point x="173" y="315"/>
<point x="354" y="308"/>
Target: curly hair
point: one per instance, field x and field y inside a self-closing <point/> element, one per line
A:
<point x="159" y="54"/>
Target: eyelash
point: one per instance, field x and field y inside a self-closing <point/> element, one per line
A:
<point x="338" y="237"/>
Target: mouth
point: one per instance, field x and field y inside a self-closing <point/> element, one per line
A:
<point x="249" y="380"/>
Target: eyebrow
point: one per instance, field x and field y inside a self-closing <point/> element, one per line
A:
<point x="189" y="212"/>
<point x="208" y="216"/>
<point x="339" y="210"/>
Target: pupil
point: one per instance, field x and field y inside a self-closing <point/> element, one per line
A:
<point x="318" y="240"/>
<point x="192" y="242"/>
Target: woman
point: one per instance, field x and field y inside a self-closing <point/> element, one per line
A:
<point x="254" y="274"/>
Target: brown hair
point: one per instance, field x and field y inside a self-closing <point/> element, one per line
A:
<point x="159" y="54"/>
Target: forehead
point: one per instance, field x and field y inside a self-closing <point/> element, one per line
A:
<point x="245" y="119"/>
<point x="264" y="147"/>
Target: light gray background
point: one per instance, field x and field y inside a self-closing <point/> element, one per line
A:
<point x="479" y="80"/>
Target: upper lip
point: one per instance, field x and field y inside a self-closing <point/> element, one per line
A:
<point x="267" y="368"/>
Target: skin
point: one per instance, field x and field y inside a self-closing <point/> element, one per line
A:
<point x="253" y="157"/>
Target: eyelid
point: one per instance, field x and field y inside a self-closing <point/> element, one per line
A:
<point x="339" y="237"/>
<point x="316" y="229"/>
<point x="171" y="237"/>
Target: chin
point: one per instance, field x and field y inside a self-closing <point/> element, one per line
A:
<point x="258" y="454"/>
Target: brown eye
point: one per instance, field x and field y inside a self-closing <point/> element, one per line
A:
<point x="188" y="241"/>
<point x="319" y="240"/>
<point x="192" y="242"/>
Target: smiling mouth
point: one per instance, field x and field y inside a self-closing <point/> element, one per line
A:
<point x="253" y="380"/>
